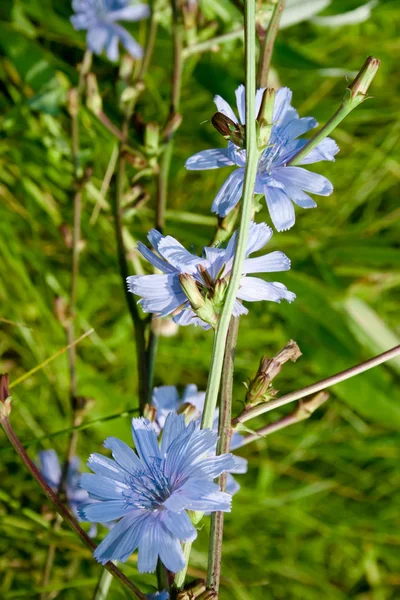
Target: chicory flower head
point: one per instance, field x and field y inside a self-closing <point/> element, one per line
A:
<point x="152" y="489"/>
<point x="163" y="294"/>
<point x="166" y="399"/>
<point x="100" y="19"/>
<point x="280" y="184"/>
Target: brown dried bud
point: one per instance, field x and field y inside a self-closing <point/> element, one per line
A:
<point x="73" y="102"/>
<point x="235" y="132"/>
<point x="149" y="412"/>
<point x="259" y="388"/>
<point x="363" y="80"/>
<point x="5" y="398"/>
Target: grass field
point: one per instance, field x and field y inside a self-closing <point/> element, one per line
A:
<point x="318" y="512"/>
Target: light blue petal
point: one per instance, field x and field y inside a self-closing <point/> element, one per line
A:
<point x="280" y="208"/>
<point x="209" y="159"/>
<point x="298" y="127"/>
<point x="188" y="317"/>
<point x="272" y="262"/>
<point x="241" y="465"/>
<point x="178" y="256"/>
<point x="129" y="43"/>
<point x="184" y="452"/>
<point x="240" y="94"/>
<point x="198" y="494"/>
<point x="239" y="309"/>
<point x="214" y="466"/>
<point x="103" y="488"/>
<point x="145" y="440"/>
<point x="130" y="13"/>
<point x="253" y="289"/>
<point x="232" y="486"/>
<point x="216" y="258"/>
<point x="165" y="397"/>
<point x="259" y="236"/>
<point x="229" y="193"/>
<point x="170" y="552"/>
<point x="123" y="538"/>
<point x="50" y="467"/>
<point x="149" y="546"/>
<point x="97" y="38"/>
<point x="123" y="455"/>
<point x="299" y="197"/>
<point x="259" y="97"/>
<point x="283" y="99"/>
<point x="161" y="294"/>
<point x="155" y="260"/>
<point x="158" y="596"/>
<point x="326" y="150"/>
<point x="192" y="396"/>
<point x="174" y="426"/>
<point x="102" y="512"/>
<point x="179" y="525"/>
<point x="305" y="180"/>
<point x="224" y="108"/>
<point x="112" y="51"/>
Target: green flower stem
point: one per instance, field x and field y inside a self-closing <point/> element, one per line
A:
<point x="355" y="95"/>
<point x="61" y="508"/>
<point x="224" y="443"/>
<point x="181" y="576"/>
<point x="247" y="205"/>
<point x="212" y="43"/>
<point x="103" y="586"/>
<point x="268" y="44"/>
<point x="256" y="411"/>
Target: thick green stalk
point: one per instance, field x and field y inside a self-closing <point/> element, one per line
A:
<point x="247" y="205"/>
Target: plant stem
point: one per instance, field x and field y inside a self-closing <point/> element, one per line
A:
<point x="138" y="323"/>
<point x="255" y="411"/>
<point x="61" y="508"/>
<point x="355" y="94"/>
<point x="181" y="576"/>
<point x="103" y="586"/>
<point x="224" y="442"/>
<point x="303" y="411"/>
<point x="267" y="49"/>
<point x="247" y="203"/>
<point x="212" y="43"/>
<point x="151" y="38"/>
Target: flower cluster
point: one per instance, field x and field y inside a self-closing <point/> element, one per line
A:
<point x="152" y="490"/>
<point x="100" y="19"/>
<point x="166" y="399"/>
<point x="280" y="184"/>
<point x="164" y="294"/>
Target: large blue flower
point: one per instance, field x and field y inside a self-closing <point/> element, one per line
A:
<point x="166" y="399"/>
<point x="153" y="489"/>
<point x="99" y="18"/>
<point x="163" y="295"/>
<point x="280" y="184"/>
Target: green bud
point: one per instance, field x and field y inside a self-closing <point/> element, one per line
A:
<point x="235" y="132"/>
<point x="359" y="87"/>
<point x="264" y="117"/>
<point x="192" y="291"/>
<point x="151" y="139"/>
<point x="219" y="294"/>
<point x="93" y="99"/>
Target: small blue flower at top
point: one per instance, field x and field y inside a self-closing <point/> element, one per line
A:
<point x="166" y="399"/>
<point x="280" y="184"/>
<point x="100" y="19"/>
<point x="152" y="490"/>
<point x="162" y="294"/>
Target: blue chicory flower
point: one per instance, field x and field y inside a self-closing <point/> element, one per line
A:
<point x="100" y="19"/>
<point x="280" y="184"/>
<point x="166" y="399"/>
<point x="152" y="489"/>
<point x="163" y="295"/>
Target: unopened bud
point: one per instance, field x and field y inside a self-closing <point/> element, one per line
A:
<point x="192" y="291"/>
<point x="149" y="412"/>
<point x="219" y="293"/>
<point x="189" y="410"/>
<point x="151" y="139"/>
<point x="73" y="102"/>
<point x="264" y="117"/>
<point x="235" y="132"/>
<point x="359" y="87"/>
<point x="5" y="398"/>
<point x="94" y="101"/>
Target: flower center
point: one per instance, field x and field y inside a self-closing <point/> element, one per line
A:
<point x="148" y="488"/>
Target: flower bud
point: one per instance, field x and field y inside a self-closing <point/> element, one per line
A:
<point x="5" y="398"/>
<point x="235" y="132"/>
<point x="73" y="102"/>
<point x="94" y="101"/>
<point x="189" y="410"/>
<point x="151" y="139"/>
<point x="219" y="294"/>
<point x="264" y="117"/>
<point x="149" y="412"/>
<point x="203" y="307"/>
<point x="359" y="87"/>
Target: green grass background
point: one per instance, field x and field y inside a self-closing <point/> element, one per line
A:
<point x="318" y="512"/>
